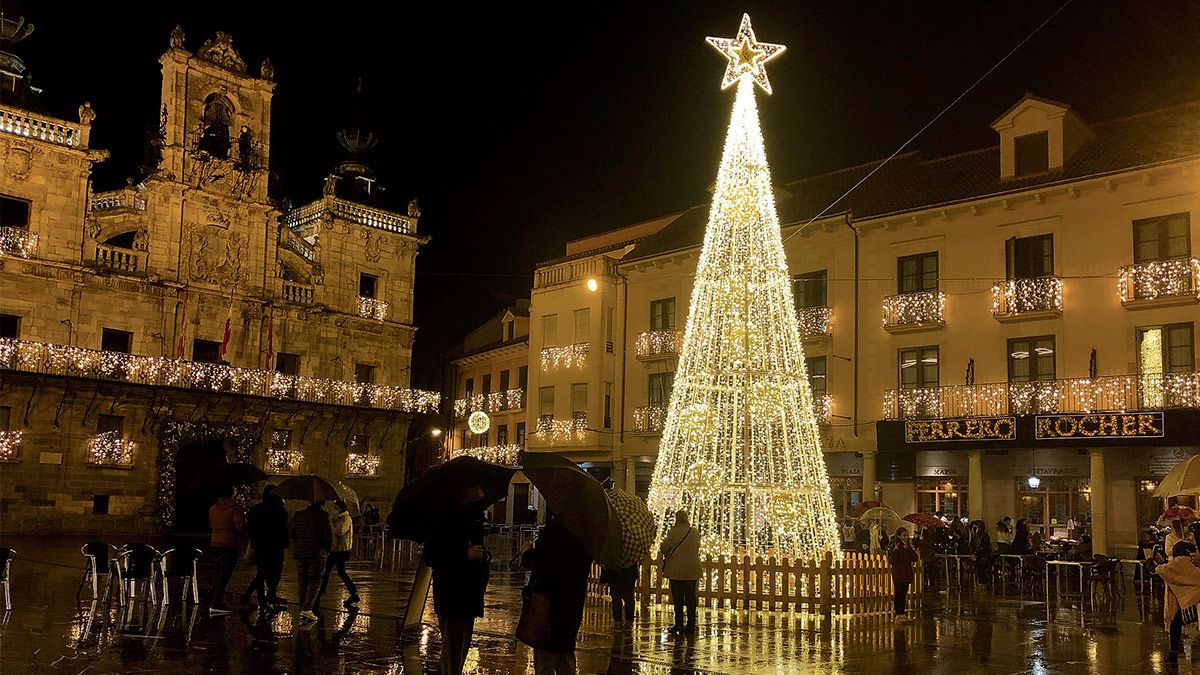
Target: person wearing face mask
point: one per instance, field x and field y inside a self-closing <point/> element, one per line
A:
<point x="901" y="557"/>
<point x="455" y="553"/>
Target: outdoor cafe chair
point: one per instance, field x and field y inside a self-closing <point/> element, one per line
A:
<point x="6" y="558"/>
<point x="1033" y="569"/>
<point x="1104" y="574"/>
<point x="138" y="562"/>
<point x="180" y="563"/>
<point x="100" y="558"/>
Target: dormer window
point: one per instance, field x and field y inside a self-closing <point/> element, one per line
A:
<point x="214" y="137"/>
<point x="1032" y="153"/>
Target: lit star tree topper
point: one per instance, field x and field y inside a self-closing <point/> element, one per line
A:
<point x="741" y="450"/>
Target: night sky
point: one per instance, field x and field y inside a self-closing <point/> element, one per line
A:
<point x="519" y="130"/>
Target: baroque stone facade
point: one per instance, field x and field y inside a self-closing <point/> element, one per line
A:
<point x="149" y="332"/>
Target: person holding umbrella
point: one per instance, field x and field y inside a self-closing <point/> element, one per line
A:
<point x="311" y="539"/>
<point x="267" y="524"/>
<point x="680" y="551"/>
<point x="227" y="521"/>
<point x="559" y="564"/>
<point x="454" y="550"/>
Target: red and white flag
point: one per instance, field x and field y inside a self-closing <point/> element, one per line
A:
<point x="228" y="328"/>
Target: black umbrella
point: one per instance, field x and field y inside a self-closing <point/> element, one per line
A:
<point x="233" y="474"/>
<point x="312" y="488"/>
<point x="578" y="501"/>
<point x="419" y="503"/>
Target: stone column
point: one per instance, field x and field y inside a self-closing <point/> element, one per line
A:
<point x="975" y="484"/>
<point x="630" y="476"/>
<point x="868" y="476"/>
<point x="1099" y="503"/>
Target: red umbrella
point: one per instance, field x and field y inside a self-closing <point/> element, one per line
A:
<point x="1180" y="513"/>
<point x="860" y="507"/>
<point x="924" y="520"/>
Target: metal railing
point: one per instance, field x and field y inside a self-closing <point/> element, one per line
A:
<point x="1113" y="393"/>
<point x="1170" y="278"/>
<point x="914" y="309"/>
<point x="649" y="419"/>
<point x="511" y="399"/>
<point x="655" y="344"/>
<point x="51" y="359"/>
<point x="814" y="321"/>
<point x="373" y="308"/>
<point x="1021" y="296"/>
<point x="570" y="356"/>
<point x="18" y="241"/>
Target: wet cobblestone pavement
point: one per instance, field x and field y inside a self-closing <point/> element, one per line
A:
<point x="48" y="633"/>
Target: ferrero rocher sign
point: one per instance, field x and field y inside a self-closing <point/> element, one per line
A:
<point x="1100" y="425"/>
<point x="967" y="429"/>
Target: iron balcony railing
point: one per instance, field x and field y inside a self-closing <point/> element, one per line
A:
<point x="1013" y="297"/>
<point x="656" y="344"/>
<point x="1114" y="393"/>
<point x="1173" y="278"/>
<point x="814" y="321"/>
<point x="649" y="419"/>
<point x="914" y="309"/>
<point x="511" y="399"/>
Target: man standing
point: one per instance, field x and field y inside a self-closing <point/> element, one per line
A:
<point x="680" y="553"/>
<point x="343" y="541"/>
<point x="268" y="528"/>
<point x="460" y="574"/>
<point x="311" y="540"/>
<point x="227" y="522"/>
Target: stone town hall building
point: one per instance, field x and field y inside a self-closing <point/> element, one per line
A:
<point x="120" y="384"/>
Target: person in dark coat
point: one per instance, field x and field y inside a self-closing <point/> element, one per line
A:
<point x="1020" y="541"/>
<point x="979" y="544"/>
<point x="560" y="565"/>
<point x="228" y="523"/>
<point x="621" y="582"/>
<point x="267" y="525"/>
<point x="311" y="541"/>
<point x="901" y="557"/>
<point x="454" y="551"/>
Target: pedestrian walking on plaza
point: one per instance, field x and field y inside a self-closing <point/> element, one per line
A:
<point x="680" y="551"/>
<point x="343" y="541"/>
<point x="311" y="540"/>
<point x="621" y="582"/>
<point x="1182" y="595"/>
<point x="267" y="526"/>
<point x="454" y="550"/>
<point x="901" y="557"/>
<point x="559" y="564"/>
<point x="228" y="522"/>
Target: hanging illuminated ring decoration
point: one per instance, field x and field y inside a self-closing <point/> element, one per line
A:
<point x="479" y="422"/>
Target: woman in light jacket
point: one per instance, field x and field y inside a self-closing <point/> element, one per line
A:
<point x="680" y="553"/>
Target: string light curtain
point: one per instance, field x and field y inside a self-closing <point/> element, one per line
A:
<point x="740" y="450"/>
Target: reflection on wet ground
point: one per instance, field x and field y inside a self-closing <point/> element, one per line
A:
<point x="48" y="633"/>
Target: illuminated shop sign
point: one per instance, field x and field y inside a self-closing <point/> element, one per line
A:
<point x="969" y="429"/>
<point x="1100" y="425"/>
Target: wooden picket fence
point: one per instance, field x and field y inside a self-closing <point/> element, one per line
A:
<point x="838" y="583"/>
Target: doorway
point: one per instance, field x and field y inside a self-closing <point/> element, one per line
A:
<point x="191" y="504"/>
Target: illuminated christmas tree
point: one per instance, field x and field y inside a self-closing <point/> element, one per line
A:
<point x="741" y="449"/>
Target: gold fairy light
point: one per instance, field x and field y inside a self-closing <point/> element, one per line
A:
<point x="654" y="343"/>
<point x="362" y="465"/>
<point x="570" y="356"/>
<point x="18" y="241"/>
<point x="496" y="454"/>
<point x="10" y="445"/>
<point x="741" y="448"/>
<point x="1149" y="280"/>
<point x="907" y="309"/>
<point x="1016" y="296"/>
<point x="109" y="449"/>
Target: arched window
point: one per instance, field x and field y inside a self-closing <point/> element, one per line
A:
<point x="214" y="138"/>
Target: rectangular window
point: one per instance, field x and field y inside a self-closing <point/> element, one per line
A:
<point x="1162" y="238"/>
<point x="206" y="351"/>
<point x="481" y="440"/>
<point x="368" y="285"/>
<point x="5" y="417"/>
<point x="463" y="440"/>
<point x="288" y="364"/>
<point x="508" y="330"/>
<point x="1031" y="359"/>
<point x="817" y="376"/>
<point x="116" y="341"/>
<point x="1167" y="349"/>
<point x="660" y="389"/>
<point x="469" y="387"/>
<point x="662" y="314"/>
<point x="579" y="398"/>
<point x="503" y="381"/>
<point x="608" y="392"/>
<point x="360" y="444"/>
<point x="609" y="312"/>
<point x="812" y="289"/>
<point x="520" y="434"/>
<point x="546" y="401"/>
<point x="919" y="368"/>
<point x="100" y="505"/>
<point x="583" y="330"/>
<point x="10" y="326"/>
<point x="550" y="330"/>
<point x="14" y="212"/>
<point x="1032" y="153"/>
<point x="916" y="273"/>
<point x="523" y="377"/>
<point x="487" y="384"/>
<point x="364" y="373"/>
<point x="1029" y="257"/>
<point x="502" y="434"/>
<point x="107" y="423"/>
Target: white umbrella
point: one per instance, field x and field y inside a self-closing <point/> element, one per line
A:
<point x="1184" y="479"/>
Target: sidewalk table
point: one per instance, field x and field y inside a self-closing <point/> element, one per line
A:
<point x="1007" y="559"/>
<point x="1140" y="582"/>
<point x="957" y="559"/>
<point x="1062" y="566"/>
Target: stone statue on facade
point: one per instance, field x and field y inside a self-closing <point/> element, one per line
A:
<point x="86" y="113"/>
<point x="176" y="39"/>
<point x="414" y="209"/>
<point x="266" y="70"/>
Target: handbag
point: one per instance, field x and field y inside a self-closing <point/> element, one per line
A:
<point x="663" y="566"/>
<point x="533" y="628"/>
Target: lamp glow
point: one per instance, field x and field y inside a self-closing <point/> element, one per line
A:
<point x="592" y="285"/>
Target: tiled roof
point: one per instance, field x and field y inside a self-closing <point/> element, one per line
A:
<point x="909" y="182"/>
